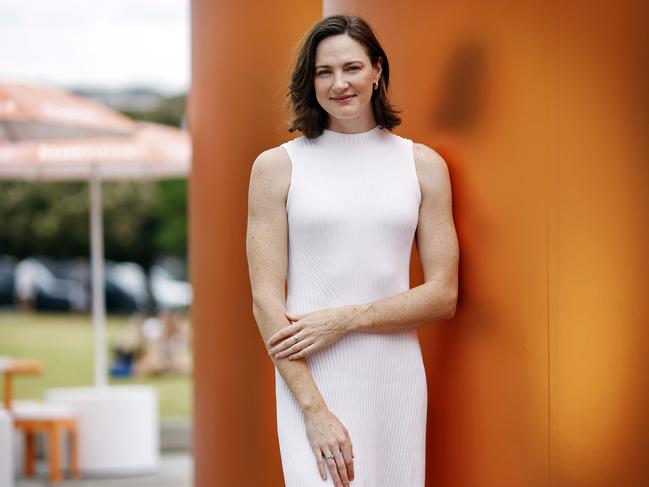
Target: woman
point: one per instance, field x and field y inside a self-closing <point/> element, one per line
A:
<point x="336" y="211"/>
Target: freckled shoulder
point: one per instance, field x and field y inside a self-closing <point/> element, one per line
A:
<point x="272" y="170"/>
<point x="430" y="167"/>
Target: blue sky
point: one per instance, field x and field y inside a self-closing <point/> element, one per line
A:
<point x="97" y="43"/>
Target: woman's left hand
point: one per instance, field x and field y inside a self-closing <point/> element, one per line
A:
<point x="313" y="331"/>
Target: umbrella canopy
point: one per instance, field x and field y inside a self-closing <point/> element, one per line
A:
<point x="34" y="111"/>
<point x="150" y="151"/>
<point x="48" y="134"/>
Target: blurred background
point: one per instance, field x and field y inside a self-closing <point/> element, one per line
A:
<point x="106" y="349"/>
<point x="131" y="57"/>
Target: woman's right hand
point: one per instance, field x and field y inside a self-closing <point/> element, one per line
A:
<point x="327" y="436"/>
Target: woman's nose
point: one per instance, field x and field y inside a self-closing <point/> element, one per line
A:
<point x="340" y="82"/>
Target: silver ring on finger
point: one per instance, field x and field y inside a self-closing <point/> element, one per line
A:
<point x="295" y="338"/>
<point x="329" y="457"/>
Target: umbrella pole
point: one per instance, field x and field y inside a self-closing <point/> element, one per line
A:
<point x="97" y="272"/>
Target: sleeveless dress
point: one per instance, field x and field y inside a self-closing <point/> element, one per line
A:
<point x="352" y="207"/>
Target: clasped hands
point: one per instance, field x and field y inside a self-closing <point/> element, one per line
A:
<point x="314" y="331"/>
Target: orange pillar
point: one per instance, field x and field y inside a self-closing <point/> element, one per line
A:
<point x="240" y="64"/>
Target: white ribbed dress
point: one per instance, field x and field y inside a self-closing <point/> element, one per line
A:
<point x="353" y="206"/>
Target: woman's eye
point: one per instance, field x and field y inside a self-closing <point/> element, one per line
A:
<point x="326" y="71"/>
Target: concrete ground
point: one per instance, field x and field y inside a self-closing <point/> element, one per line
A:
<point x="175" y="471"/>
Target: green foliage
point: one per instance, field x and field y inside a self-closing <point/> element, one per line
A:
<point x="43" y="218"/>
<point x="169" y="111"/>
<point x="171" y="213"/>
<point x="141" y="219"/>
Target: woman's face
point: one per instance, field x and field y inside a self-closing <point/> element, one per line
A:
<point x="343" y="69"/>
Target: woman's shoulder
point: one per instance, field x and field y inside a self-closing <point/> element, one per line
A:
<point x="271" y="173"/>
<point x="425" y="155"/>
<point x="430" y="166"/>
<point x="273" y="159"/>
<point x="280" y="157"/>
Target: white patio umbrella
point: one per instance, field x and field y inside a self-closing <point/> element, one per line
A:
<point x="48" y="134"/>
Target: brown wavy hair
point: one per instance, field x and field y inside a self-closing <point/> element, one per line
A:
<point x="308" y="116"/>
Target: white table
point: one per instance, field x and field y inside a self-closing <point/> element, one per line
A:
<point x="117" y="428"/>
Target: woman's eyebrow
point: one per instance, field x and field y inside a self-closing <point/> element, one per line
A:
<point x="348" y="62"/>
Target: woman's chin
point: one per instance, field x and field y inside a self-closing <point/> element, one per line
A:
<point x="344" y="112"/>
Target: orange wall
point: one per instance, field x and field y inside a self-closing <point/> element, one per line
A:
<point x="540" y="109"/>
<point x="599" y="266"/>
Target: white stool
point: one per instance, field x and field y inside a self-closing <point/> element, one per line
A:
<point x="6" y="449"/>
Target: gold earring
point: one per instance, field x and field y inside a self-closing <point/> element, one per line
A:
<point x="376" y="85"/>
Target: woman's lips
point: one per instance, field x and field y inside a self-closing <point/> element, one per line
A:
<point x="343" y="100"/>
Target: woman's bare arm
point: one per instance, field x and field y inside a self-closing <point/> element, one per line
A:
<point x="438" y="250"/>
<point x="267" y="250"/>
<point x="433" y="300"/>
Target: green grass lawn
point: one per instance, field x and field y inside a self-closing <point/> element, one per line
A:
<point x="64" y="343"/>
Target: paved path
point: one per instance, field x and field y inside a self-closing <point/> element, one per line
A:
<point x="175" y="471"/>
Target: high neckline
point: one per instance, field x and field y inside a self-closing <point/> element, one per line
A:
<point x="343" y="135"/>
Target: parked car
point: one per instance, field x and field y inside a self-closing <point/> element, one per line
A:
<point x="7" y="266"/>
<point x="65" y="285"/>
<point x="169" y="289"/>
<point x="126" y="288"/>
<point x="125" y="283"/>
<point x="37" y="286"/>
